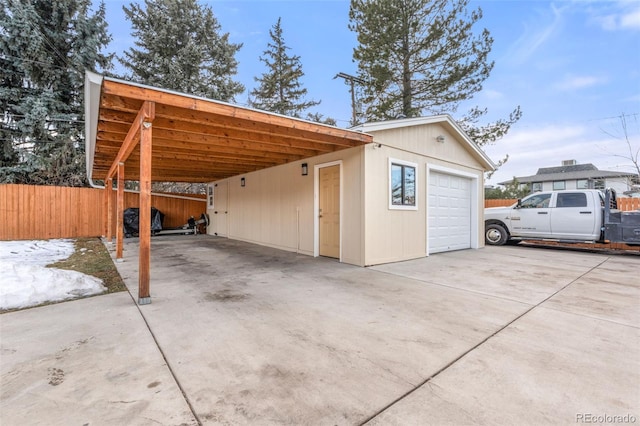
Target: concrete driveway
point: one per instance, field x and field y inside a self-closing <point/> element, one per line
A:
<point x="242" y="334"/>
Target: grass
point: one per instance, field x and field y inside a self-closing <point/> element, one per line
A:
<point x="92" y="258"/>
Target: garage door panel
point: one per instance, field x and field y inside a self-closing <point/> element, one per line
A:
<point x="449" y="214"/>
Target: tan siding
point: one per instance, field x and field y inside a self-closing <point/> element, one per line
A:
<point x="395" y="235"/>
<point x="276" y="207"/>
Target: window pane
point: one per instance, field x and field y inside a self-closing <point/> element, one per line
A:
<point x="572" y="199"/>
<point x="558" y="185"/>
<point x="582" y="184"/>
<point x="537" y="186"/>
<point x="598" y="184"/>
<point x="538" y="201"/>
<point x="409" y="186"/>
<point x="396" y="184"/>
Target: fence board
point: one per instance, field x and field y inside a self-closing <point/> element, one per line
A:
<point x="30" y="212"/>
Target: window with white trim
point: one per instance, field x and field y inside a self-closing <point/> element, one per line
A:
<point x="403" y="185"/>
<point x="558" y="185"/>
<point x="582" y="184"/>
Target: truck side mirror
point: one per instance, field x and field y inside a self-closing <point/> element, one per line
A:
<point x="519" y="204"/>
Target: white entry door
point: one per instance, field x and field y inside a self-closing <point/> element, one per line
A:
<point x="449" y="207"/>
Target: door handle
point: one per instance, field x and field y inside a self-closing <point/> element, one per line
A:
<point x="585" y="212"/>
<point x="543" y="212"/>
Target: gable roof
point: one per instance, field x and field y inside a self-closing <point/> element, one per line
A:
<point x="446" y="121"/>
<point x="194" y="139"/>
<point x="572" y="172"/>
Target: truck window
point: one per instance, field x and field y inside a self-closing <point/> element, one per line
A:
<point x="537" y="201"/>
<point x="572" y="199"/>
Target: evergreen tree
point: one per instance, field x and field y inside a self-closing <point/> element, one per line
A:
<point x="179" y="46"/>
<point x="45" y="47"/>
<point x="420" y="56"/>
<point x="280" y="89"/>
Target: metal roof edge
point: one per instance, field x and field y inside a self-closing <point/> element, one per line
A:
<point x="418" y="121"/>
<point x="92" y="88"/>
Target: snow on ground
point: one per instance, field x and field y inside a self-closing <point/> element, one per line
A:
<point x="24" y="280"/>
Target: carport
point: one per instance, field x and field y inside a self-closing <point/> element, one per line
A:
<point x="137" y="132"/>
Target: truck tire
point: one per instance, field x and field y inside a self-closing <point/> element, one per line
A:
<point x="495" y="235"/>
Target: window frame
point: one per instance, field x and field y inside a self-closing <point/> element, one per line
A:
<point x="536" y="187"/>
<point x="563" y="182"/>
<point x="403" y="163"/>
<point x="582" y="183"/>
<point x="571" y="197"/>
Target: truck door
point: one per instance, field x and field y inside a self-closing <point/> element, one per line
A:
<point x="574" y="217"/>
<point x="532" y="218"/>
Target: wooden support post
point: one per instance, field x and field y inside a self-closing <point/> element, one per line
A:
<point x="120" y="212"/>
<point x="144" y="226"/>
<point x="108" y="188"/>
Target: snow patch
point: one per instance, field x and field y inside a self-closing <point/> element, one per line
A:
<point x="26" y="282"/>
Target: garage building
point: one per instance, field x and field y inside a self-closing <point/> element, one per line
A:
<point x="416" y="189"/>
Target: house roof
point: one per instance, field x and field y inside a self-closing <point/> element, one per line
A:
<point x="194" y="139"/>
<point x="445" y="120"/>
<point x="572" y="172"/>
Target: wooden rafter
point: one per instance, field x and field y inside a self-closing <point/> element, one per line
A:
<point x="147" y="134"/>
<point x="198" y="140"/>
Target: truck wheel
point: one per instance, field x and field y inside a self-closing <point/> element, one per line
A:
<point x="495" y="235"/>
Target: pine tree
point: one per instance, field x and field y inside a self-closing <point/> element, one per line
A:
<point x="422" y="56"/>
<point x="45" y="48"/>
<point x="280" y="89"/>
<point x="179" y="46"/>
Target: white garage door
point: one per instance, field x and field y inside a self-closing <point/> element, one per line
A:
<point x="449" y="205"/>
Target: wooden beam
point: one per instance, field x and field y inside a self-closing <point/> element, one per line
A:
<point x="124" y="90"/>
<point x="147" y="112"/>
<point x="108" y="187"/>
<point x="120" y="212"/>
<point x="144" y="226"/>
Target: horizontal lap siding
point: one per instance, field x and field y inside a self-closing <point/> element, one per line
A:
<point x="41" y="212"/>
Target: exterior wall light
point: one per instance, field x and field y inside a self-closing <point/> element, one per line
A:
<point x="440" y="138"/>
<point x="305" y="169"/>
<point x="242" y="182"/>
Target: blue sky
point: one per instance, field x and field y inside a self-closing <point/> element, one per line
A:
<point x="572" y="66"/>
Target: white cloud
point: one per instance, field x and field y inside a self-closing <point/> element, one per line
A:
<point x="572" y="82"/>
<point x="535" y="35"/>
<point x="631" y="20"/>
<point x="549" y="144"/>
<point x="621" y="15"/>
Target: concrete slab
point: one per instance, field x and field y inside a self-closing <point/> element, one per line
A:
<point x="264" y="336"/>
<point x="89" y="361"/>
<point x="257" y="335"/>
<point x="254" y="335"/>
<point x="611" y="292"/>
<point x="549" y="367"/>
<point x="523" y="274"/>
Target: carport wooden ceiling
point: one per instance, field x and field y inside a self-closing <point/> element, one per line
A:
<point x="200" y="140"/>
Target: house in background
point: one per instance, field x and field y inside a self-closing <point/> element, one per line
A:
<point x="571" y="175"/>
<point x="416" y="190"/>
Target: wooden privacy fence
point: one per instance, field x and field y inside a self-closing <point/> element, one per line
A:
<point x="41" y="212"/>
<point x="625" y="204"/>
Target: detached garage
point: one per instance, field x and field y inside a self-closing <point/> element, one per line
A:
<point x="417" y="189"/>
<point x="381" y="192"/>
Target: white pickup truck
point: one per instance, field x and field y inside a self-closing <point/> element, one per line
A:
<point x="572" y="215"/>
